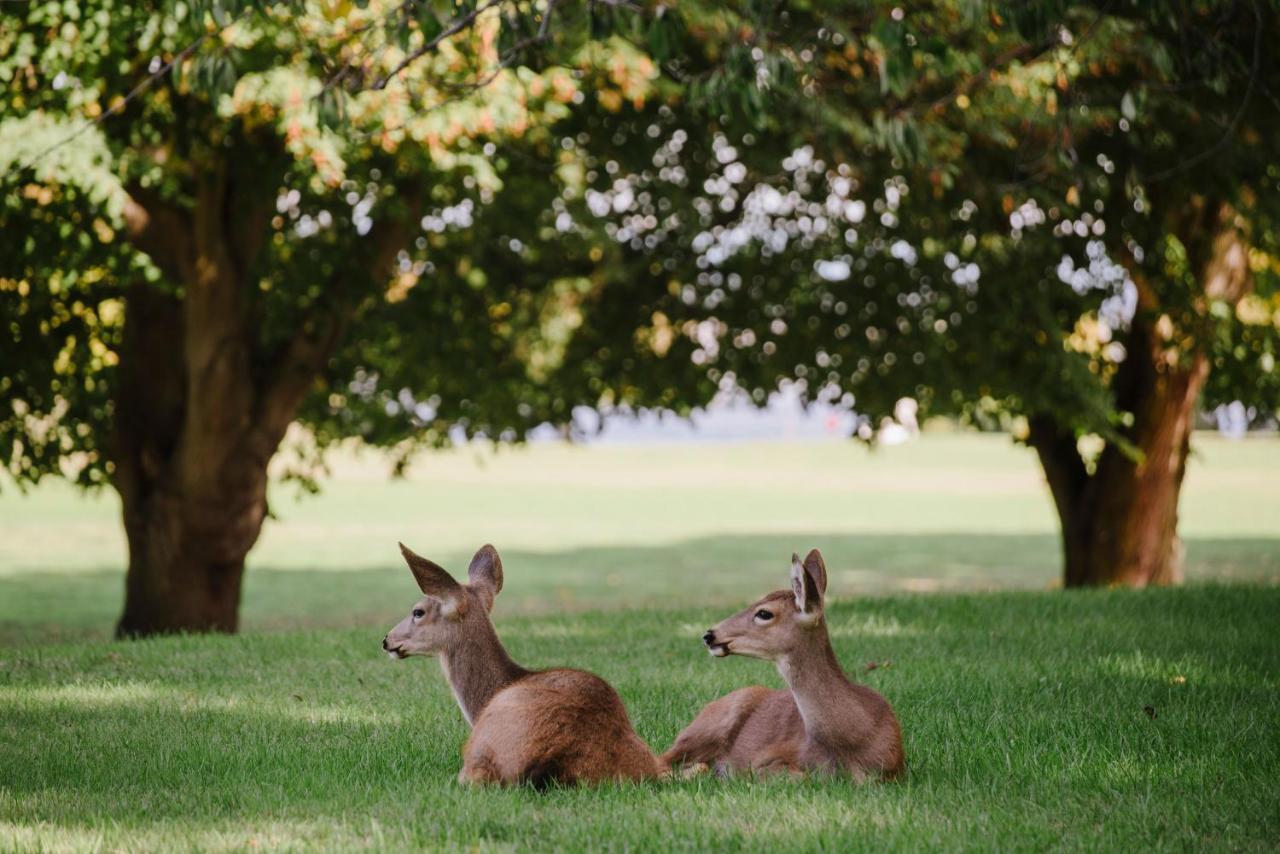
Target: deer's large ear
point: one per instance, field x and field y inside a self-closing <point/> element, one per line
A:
<point x="485" y="574"/>
<point x="816" y="567"/>
<point x="431" y="577"/>
<point x="805" y="588"/>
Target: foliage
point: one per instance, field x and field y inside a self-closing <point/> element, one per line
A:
<point x="325" y="133"/>
<point x="950" y="202"/>
<point x="956" y="203"/>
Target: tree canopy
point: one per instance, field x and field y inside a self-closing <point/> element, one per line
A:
<point x="400" y="220"/>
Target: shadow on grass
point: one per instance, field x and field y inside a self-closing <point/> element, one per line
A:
<point x="41" y="607"/>
<point x="1024" y="717"/>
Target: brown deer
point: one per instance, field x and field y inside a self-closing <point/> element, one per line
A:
<point x="529" y="726"/>
<point x="822" y="722"/>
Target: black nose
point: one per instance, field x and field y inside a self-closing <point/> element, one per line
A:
<point x="710" y="637"/>
<point x="384" y="644"/>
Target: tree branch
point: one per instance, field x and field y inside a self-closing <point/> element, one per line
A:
<point x="465" y="22"/>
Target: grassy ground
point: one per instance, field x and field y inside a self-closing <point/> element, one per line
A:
<point x="1023" y="716"/>
<point x="1033" y="718"/>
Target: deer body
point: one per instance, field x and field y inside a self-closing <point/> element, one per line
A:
<point x="527" y="726"/>
<point x="821" y="722"/>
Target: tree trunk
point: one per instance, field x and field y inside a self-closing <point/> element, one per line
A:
<point x="202" y="404"/>
<point x="186" y="560"/>
<point x="191" y="441"/>
<point x="1120" y="524"/>
<point x="1120" y="521"/>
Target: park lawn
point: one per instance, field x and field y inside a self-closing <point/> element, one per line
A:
<point x="625" y="526"/>
<point x="1086" y="720"/>
<point x="1023" y="707"/>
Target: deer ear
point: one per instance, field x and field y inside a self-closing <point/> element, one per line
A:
<point x="485" y="574"/>
<point x="816" y="567"/>
<point x="431" y="578"/>
<point x="805" y="588"/>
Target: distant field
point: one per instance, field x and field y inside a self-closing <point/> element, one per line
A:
<point x="642" y="525"/>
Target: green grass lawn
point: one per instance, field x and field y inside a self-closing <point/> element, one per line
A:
<point x="1024" y="709"/>
<point x="1023" y="716"/>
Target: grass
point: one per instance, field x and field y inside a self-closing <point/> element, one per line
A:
<point x="1024" y="709"/>
<point x="1023" y="715"/>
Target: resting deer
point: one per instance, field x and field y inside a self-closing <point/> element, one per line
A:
<point x="527" y="726"/>
<point x="823" y="722"/>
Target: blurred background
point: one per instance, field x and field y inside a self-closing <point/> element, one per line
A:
<point x="969" y="295"/>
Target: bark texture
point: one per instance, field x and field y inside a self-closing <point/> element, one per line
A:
<point x="1120" y="521"/>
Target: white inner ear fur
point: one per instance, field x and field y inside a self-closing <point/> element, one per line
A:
<point x="797" y="585"/>
<point x="809" y="611"/>
<point x="809" y="618"/>
<point x="451" y="608"/>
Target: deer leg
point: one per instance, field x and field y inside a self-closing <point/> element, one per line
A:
<point x="781" y="758"/>
<point x="712" y="733"/>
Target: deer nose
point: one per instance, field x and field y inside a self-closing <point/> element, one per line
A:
<point x="384" y="644"/>
<point x="710" y="637"/>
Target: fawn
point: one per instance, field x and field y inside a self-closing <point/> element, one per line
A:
<point x="527" y="726"/>
<point x="822" y="722"/>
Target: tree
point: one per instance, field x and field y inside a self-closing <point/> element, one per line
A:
<point x="1060" y="217"/>
<point x="228" y="216"/>
<point x="392" y="224"/>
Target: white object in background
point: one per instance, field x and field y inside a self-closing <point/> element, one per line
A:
<point x="903" y="426"/>
<point x="1233" y="419"/>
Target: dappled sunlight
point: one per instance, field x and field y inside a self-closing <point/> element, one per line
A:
<point x="273" y="834"/>
<point x="314" y="740"/>
<point x="869" y="625"/>
<point x="1185" y="671"/>
<point x="157" y="699"/>
<point x="92" y="696"/>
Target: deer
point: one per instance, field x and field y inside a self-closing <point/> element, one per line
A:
<point x="527" y="726"/>
<point x="822" y="722"/>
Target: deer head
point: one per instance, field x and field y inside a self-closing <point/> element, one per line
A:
<point x="448" y="611"/>
<point x="777" y="624"/>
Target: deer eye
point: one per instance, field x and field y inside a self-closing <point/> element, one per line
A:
<point x="419" y="613"/>
<point x="763" y="614"/>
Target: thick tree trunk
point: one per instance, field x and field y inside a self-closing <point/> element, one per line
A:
<point x="1120" y="524"/>
<point x="186" y="561"/>
<point x="202" y="404"/>
<point x="191" y="439"/>
<point x="189" y="463"/>
<point x="1120" y="521"/>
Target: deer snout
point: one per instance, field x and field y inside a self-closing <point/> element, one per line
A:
<point x="717" y="648"/>
<point x="394" y="652"/>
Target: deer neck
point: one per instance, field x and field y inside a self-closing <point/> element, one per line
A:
<point x="478" y="668"/>
<point x="827" y="702"/>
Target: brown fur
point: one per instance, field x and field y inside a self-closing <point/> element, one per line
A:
<point x="535" y="727"/>
<point x="821" y="722"/>
<point x="556" y="725"/>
